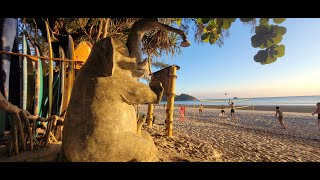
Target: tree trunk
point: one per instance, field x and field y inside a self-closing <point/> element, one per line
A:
<point x="21" y="121"/>
<point x="142" y="27"/>
<point x="106" y="28"/>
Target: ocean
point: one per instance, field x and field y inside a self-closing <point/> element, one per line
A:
<point x="266" y="101"/>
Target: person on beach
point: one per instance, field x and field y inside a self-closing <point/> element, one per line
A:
<point x="201" y="109"/>
<point x="232" y="109"/>
<point x="278" y="112"/>
<point x="223" y="113"/>
<point x="182" y="112"/>
<point x="317" y="112"/>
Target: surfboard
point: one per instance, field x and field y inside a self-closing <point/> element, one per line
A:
<point x="70" y="76"/>
<point x="56" y="93"/>
<point x="82" y="52"/>
<point x="31" y="82"/>
<point x="38" y="85"/>
<point x="62" y="77"/>
<point x="44" y="104"/>
<point x="23" y="101"/>
<point x="50" y="83"/>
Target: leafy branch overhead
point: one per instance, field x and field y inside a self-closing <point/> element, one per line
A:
<point x="157" y="43"/>
<point x="267" y="36"/>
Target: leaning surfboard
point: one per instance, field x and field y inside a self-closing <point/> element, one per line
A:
<point x="50" y="70"/>
<point x="38" y="85"/>
<point x="23" y="102"/>
<point x="31" y="81"/>
<point x="70" y="77"/>
<point x="62" y="77"/>
<point x="82" y="53"/>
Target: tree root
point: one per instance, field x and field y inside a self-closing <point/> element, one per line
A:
<point x="23" y="127"/>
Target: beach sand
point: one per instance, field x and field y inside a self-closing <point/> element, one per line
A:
<point x="254" y="136"/>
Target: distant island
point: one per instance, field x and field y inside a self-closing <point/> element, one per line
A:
<point x="181" y="97"/>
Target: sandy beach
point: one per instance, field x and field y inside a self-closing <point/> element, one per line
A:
<point x="254" y="136"/>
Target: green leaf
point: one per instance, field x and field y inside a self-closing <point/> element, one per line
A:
<point x="209" y="28"/>
<point x="218" y="31"/>
<point x="205" y="20"/>
<point x="280" y="30"/>
<point x="269" y="42"/>
<point x="273" y="52"/>
<point x="212" y="38"/>
<point x="264" y="21"/>
<point x="227" y="22"/>
<point x="261" y="56"/>
<point x="216" y="35"/>
<point x="277" y="39"/>
<point x="218" y="22"/>
<point x="178" y="21"/>
<point x="264" y="44"/>
<point x="280" y="50"/>
<point x="261" y="29"/>
<point x="256" y="41"/>
<point x="270" y="59"/>
<point x="205" y="35"/>
<point x="278" y="20"/>
<point x="246" y="19"/>
<point x="199" y="20"/>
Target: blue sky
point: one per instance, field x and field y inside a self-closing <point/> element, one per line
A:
<point x="208" y="71"/>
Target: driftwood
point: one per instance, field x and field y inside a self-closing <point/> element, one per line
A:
<point x="23" y="127"/>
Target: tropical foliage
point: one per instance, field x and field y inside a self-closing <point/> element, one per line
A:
<point x="268" y="34"/>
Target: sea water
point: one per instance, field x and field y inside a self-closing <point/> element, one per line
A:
<point x="266" y="101"/>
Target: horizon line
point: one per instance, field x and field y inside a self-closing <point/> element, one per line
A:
<point x="258" y="97"/>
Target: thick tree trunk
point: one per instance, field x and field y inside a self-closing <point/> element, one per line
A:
<point x="143" y="26"/>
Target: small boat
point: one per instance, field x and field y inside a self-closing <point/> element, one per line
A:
<point x="235" y="98"/>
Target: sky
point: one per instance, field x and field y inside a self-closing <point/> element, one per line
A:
<point x="209" y="71"/>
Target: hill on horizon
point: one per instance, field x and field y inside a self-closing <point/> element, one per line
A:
<point x="181" y="97"/>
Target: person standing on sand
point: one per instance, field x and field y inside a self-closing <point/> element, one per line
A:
<point x="182" y="112"/>
<point x="232" y="109"/>
<point x="223" y="113"/>
<point x="278" y="112"/>
<point x="317" y="112"/>
<point x="201" y="109"/>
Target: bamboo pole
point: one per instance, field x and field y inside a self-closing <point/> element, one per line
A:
<point x="35" y="58"/>
<point x="170" y="103"/>
<point x="37" y="86"/>
<point x="150" y="115"/>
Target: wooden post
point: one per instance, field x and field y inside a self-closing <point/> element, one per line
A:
<point x="150" y="115"/>
<point x="171" y="96"/>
